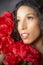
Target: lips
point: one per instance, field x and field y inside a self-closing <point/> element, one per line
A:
<point x="24" y="35"/>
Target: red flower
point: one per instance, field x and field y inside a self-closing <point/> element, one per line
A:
<point x="6" y="24"/>
<point x="8" y="14"/>
<point x="5" y="44"/>
<point x="22" y="52"/>
<point x="14" y="51"/>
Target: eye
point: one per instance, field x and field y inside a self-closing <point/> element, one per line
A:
<point x="30" y="18"/>
<point x="18" y="20"/>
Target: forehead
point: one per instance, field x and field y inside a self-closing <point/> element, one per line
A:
<point x="25" y="10"/>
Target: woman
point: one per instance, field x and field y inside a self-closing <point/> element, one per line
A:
<point x="28" y="24"/>
<point x="27" y="35"/>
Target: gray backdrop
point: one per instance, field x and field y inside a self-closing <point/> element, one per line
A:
<point x="7" y="5"/>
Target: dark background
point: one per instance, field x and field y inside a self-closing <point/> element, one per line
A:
<point x="8" y="5"/>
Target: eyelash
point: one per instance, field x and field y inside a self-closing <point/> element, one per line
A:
<point x="17" y="20"/>
<point x="29" y="18"/>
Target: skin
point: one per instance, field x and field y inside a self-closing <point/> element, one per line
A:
<point x="28" y="23"/>
<point x="1" y="58"/>
<point x="29" y="28"/>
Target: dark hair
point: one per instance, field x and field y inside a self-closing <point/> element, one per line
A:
<point x="30" y="3"/>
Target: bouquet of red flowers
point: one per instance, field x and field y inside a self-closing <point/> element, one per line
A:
<point x="15" y="52"/>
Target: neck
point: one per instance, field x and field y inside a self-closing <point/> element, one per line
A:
<point x="39" y="45"/>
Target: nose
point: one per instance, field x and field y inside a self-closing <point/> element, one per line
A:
<point x="24" y="25"/>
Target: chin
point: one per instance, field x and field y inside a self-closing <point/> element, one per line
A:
<point x="27" y="42"/>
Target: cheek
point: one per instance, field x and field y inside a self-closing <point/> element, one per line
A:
<point x="34" y="30"/>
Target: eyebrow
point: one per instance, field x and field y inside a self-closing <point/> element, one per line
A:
<point x="29" y="14"/>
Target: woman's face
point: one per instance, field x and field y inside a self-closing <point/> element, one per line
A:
<point x="28" y="24"/>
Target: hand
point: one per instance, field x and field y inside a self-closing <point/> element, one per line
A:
<point x="1" y="58"/>
<point x="30" y="63"/>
